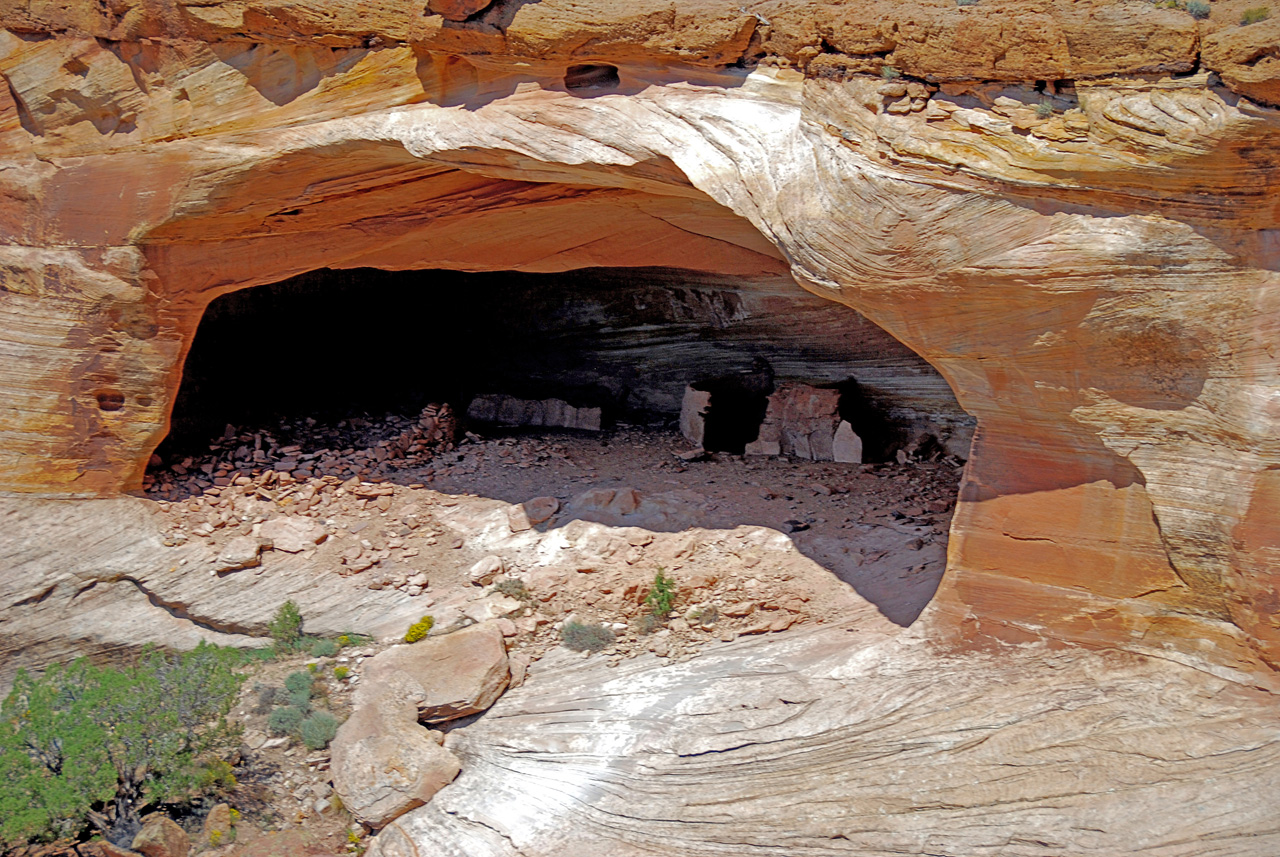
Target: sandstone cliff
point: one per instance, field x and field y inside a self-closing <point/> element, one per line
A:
<point x="1067" y="208"/>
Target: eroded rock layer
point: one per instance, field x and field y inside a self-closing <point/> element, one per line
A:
<point x="1067" y="208"/>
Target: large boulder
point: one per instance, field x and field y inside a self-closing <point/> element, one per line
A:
<point x="385" y="764"/>
<point x="446" y="677"/>
<point x="160" y="836"/>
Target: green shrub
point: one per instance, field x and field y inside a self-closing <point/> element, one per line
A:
<point x="888" y="72"/>
<point x="298" y="682"/>
<point x="1198" y="9"/>
<point x="1255" y="15"/>
<point x="966" y="2"/>
<point x="85" y="745"/>
<point x="286" y="626"/>
<point x="215" y="776"/>
<point x="341" y="673"/>
<point x="318" y="730"/>
<point x="662" y="595"/>
<point x="1044" y="109"/>
<point x="300" y="687"/>
<point x="648" y="623"/>
<point x="324" y="648"/>
<point x="513" y="588"/>
<point x="285" y="720"/>
<point x="582" y="637"/>
<point x="419" y="629"/>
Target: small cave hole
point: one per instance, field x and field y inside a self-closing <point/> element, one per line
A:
<point x="110" y="400"/>
<point x="591" y="77"/>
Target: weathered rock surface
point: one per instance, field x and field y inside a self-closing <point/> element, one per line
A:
<point x="820" y="743"/>
<point x="218" y="826"/>
<point x="1081" y="261"/>
<point x="447" y="677"/>
<point x="385" y="764"/>
<point x="510" y="411"/>
<point x="1068" y="208"/>
<point x="95" y="579"/>
<point x="292" y="534"/>
<point x="160" y="836"/>
<point x="800" y="421"/>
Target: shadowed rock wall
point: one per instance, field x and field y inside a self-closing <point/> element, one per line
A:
<point x="1067" y="208"/>
<point x="337" y="343"/>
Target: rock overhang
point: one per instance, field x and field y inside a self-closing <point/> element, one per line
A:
<point x="1097" y="282"/>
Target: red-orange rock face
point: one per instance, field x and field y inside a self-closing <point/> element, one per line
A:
<point x="1062" y="208"/>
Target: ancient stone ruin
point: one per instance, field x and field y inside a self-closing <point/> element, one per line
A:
<point x="334" y="301"/>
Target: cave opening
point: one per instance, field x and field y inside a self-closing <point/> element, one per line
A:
<point x="580" y="379"/>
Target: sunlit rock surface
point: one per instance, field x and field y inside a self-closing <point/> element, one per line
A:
<point x="1068" y="208"/>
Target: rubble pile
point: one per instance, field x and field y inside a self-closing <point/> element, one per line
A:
<point x="353" y="448"/>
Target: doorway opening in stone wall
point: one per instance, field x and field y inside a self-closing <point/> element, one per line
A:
<point x="744" y="416"/>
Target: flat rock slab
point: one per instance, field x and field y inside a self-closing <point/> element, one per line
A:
<point x="447" y="677"/>
<point x="817" y="743"/>
<point x="292" y="534"/>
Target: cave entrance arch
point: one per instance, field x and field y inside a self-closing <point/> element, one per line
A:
<point x="348" y="350"/>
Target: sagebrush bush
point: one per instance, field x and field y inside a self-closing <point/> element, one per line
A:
<point x="513" y="588"/>
<point x="318" y="730"/>
<point x="1255" y="15"/>
<point x="285" y="720"/>
<point x="266" y="694"/>
<point x="298" y="682"/>
<point x="704" y="616"/>
<point x="419" y="629"/>
<point x="1044" y="109"/>
<point x="583" y="637"/>
<point x="300" y="687"/>
<point x="1198" y="9"/>
<point x="324" y="648"/>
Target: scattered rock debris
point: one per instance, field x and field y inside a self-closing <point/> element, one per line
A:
<point x="531" y="531"/>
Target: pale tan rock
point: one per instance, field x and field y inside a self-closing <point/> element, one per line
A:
<point x="293" y="534"/>
<point x="540" y="509"/>
<point x="693" y="414"/>
<point x="240" y="552"/>
<point x="385" y="764"/>
<point x="449" y="676"/>
<point x="846" y="446"/>
<point x="160" y="836"/>
<point x="217" y="828"/>
<point x="486" y="570"/>
<point x="495" y="605"/>
<point x="1070" y="281"/>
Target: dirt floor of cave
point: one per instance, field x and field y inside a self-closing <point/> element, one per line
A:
<point x="880" y="528"/>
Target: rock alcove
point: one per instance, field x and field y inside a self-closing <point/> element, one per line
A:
<point x="334" y="359"/>
<point x="1068" y="211"/>
<point x="334" y="344"/>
